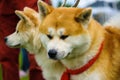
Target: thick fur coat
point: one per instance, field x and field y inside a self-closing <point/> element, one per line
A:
<point x="73" y="37"/>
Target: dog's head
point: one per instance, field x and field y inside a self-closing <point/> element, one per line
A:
<point x="25" y="29"/>
<point x="64" y="30"/>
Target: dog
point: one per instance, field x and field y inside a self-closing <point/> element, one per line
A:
<point x="88" y="50"/>
<point x="27" y="36"/>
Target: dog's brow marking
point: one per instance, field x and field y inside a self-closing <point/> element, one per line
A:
<point x="60" y="31"/>
<point x="51" y="31"/>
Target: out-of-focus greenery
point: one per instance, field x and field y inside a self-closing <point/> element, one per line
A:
<point x="0" y="72"/>
<point x="118" y="5"/>
<point x="20" y="59"/>
<point x="66" y="5"/>
<point x="25" y="78"/>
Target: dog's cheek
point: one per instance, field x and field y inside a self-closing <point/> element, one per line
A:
<point x="44" y="40"/>
<point x="79" y="40"/>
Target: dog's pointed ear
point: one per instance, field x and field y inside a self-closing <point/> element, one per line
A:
<point x="21" y="15"/>
<point x="24" y="18"/>
<point x="32" y="15"/>
<point x="44" y="9"/>
<point x="84" y="16"/>
<point x="29" y="10"/>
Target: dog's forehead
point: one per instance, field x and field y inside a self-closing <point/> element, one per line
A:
<point x="21" y="26"/>
<point x="62" y="20"/>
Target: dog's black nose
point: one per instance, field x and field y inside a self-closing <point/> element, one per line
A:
<point x="52" y="53"/>
<point x="5" y="39"/>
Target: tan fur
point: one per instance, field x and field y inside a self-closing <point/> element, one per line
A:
<point x="108" y="62"/>
<point x="68" y="20"/>
<point x="27" y="28"/>
<point x="107" y="66"/>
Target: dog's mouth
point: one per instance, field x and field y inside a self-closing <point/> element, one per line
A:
<point x="59" y="58"/>
<point x="15" y="46"/>
<point x="54" y="58"/>
<point x="18" y="45"/>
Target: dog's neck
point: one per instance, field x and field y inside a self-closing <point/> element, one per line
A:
<point x="80" y="60"/>
<point x="34" y="43"/>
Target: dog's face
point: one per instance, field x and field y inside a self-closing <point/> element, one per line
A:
<point x="64" y="30"/>
<point x="25" y="29"/>
<point x="20" y="37"/>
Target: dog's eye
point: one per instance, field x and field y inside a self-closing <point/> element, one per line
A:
<point x="49" y="36"/>
<point x="17" y="31"/>
<point x="63" y="37"/>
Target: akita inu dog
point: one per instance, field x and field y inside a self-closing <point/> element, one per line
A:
<point x="27" y="36"/>
<point x="88" y="50"/>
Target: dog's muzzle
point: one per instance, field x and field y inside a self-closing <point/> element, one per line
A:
<point x="12" y="46"/>
<point x="52" y="53"/>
